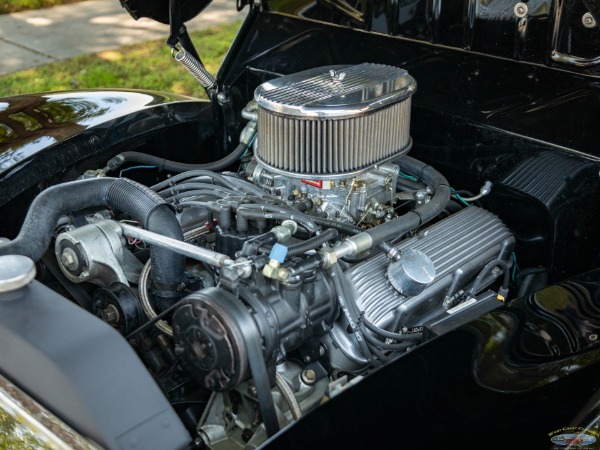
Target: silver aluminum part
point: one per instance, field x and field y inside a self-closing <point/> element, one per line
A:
<point x="286" y="230"/>
<point x="314" y="125"/>
<point x="354" y="245"/>
<point x="363" y="197"/>
<point x="183" y="248"/>
<point x="316" y="93"/>
<point x="521" y="10"/>
<point x="459" y="247"/>
<point x="330" y="176"/>
<point x="248" y="133"/>
<point x="329" y="257"/>
<point x="95" y="253"/>
<point x="195" y="233"/>
<point x="221" y="424"/>
<point x="196" y="68"/>
<point x="250" y="111"/>
<point x="412" y="273"/>
<point x="588" y="20"/>
<point x="16" y="271"/>
<point x="485" y="190"/>
<point x="329" y="148"/>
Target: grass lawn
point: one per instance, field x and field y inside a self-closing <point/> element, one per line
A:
<point x="11" y="6"/>
<point x="143" y="66"/>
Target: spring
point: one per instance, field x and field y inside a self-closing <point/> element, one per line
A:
<point x="195" y="67"/>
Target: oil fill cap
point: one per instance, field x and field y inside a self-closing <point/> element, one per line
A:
<point x="16" y="271"/>
<point x="411" y="274"/>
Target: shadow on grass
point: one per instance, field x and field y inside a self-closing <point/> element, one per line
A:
<point x="12" y="6"/>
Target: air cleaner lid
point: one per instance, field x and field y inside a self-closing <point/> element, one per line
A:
<point x="336" y="91"/>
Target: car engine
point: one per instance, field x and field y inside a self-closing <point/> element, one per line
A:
<point x="256" y="294"/>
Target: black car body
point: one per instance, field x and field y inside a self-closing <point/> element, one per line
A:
<point x="434" y="336"/>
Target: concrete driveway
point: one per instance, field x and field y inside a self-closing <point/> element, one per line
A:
<point x="33" y="38"/>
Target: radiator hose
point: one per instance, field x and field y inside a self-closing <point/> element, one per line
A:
<point x="122" y="194"/>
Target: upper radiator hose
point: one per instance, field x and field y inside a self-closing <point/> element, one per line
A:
<point x="122" y="194"/>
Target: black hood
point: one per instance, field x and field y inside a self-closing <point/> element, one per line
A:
<point x="159" y="9"/>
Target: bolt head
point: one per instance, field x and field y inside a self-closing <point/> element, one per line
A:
<point x="588" y="20"/>
<point x="308" y="376"/>
<point x="110" y="314"/>
<point x="66" y="259"/>
<point x="69" y="259"/>
<point x="521" y="10"/>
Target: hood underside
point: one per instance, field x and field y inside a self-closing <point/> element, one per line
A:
<point x="159" y="9"/>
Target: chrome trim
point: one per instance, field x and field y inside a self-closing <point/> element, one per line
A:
<point x="183" y="248"/>
<point x="336" y="176"/>
<point x="336" y="91"/>
<point x="575" y="60"/>
<point x="35" y="426"/>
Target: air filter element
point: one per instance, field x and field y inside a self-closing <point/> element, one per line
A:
<point x="334" y="121"/>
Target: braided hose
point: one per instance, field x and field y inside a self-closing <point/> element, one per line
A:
<point x="289" y="396"/>
<point x="145" y="300"/>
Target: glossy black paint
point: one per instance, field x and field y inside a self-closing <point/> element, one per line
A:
<point x="42" y="135"/>
<point x="159" y="9"/>
<point x="475" y="117"/>
<point x="491" y="97"/>
<point x="506" y="380"/>
<point x="33" y="122"/>
<point x="489" y="108"/>
<point x="546" y="104"/>
<point x="549" y="32"/>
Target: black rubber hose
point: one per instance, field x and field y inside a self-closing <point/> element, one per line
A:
<point x="393" y="228"/>
<point x="421" y="214"/>
<point x="304" y="205"/>
<point x="382" y="345"/>
<point x="252" y="189"/>
<point x="191" y="195"/>
<point x="388" y="334"/>
<point x="348" y="306"/>
<point x="245" y="214"/>
<point x="531" y="280"/>
<point x="217" y="179"/>
<point x="422" y="171"/>
<point x="312" y="243"/>
<point x="174" y="166"/>
<point x="487" y="269"/>
<point x="217" y="190"/>
<point x="122" y="194"/>
<point x="344" y="227"/>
